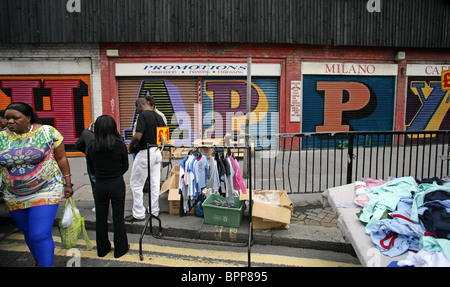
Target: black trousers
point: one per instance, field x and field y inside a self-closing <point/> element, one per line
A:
<point x="106" y="192"/>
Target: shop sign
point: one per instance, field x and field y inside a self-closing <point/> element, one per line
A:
<point x="163" y="135"/>
<point x="426" y="69"/>
<point x="196" y="69"/>
<point x="350" y="69"/>
<point x="295" y="100"/>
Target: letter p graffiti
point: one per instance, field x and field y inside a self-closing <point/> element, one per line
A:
<point x="336" y="103"/>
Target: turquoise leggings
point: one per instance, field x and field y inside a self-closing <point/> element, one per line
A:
<point x="36" y="224"/>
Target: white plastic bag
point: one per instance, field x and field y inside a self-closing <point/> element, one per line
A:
<point x="67" y="218"/>
<point x="71" y="233"/>
<point x="270" y="197"/>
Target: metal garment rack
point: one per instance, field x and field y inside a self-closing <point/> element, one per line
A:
<point x="161" y="235"/>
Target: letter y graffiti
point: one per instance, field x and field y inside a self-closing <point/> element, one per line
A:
<point x="434" y="106"/>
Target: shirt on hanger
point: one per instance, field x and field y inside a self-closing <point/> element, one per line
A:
<point x="238" y="180"/>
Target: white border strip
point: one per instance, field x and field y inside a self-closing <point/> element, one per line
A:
<point x="45" y="67"/>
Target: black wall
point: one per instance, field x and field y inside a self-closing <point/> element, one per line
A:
<point x="400" y="23"/>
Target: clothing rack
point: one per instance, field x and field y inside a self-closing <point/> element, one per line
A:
<point x="160" y="235"/>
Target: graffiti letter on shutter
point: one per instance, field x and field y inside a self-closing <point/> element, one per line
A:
<point x="340" y="97"/>
<point x="52" y="100"/>
<point x="434" y="106"/>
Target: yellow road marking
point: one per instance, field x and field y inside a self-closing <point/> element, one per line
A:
<point x="180" y="256"/>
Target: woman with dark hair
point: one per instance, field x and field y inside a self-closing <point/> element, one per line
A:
<point x="35" y="172"/>
<point x="107" y="156"/>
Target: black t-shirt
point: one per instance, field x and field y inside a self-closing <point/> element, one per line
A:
<point x="109" y="164"/>
<point x="147" y="123"/>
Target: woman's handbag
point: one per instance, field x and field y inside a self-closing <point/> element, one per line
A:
<point x="70" y="226"/>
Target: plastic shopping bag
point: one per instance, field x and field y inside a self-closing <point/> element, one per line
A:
<point x="71" y="228"/>
<point x="67" y="218"/>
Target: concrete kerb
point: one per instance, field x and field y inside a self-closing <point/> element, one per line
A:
<point x="192" y="227"/>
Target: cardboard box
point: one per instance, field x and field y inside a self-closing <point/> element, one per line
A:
<point x="207" y="142"/>
<point x="175" y="169"/>
<point x="179" y="153"/>
<point x="166" y="154"/>
<point x="270" y="216"/>
<point x="174" y="202"/>
<point x="170" y="183"/>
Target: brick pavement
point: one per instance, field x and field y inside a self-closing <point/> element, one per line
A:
<point x="317" y="216"/>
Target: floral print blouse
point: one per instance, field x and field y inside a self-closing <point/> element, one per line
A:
<point x="29" y="172"/>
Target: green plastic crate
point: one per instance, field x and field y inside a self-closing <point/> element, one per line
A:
<point x="224" y="216"/>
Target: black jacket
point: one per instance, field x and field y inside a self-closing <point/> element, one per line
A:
<point x="84" y="140"/>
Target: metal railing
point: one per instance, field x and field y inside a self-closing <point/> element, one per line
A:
<point x="311" y="163"/>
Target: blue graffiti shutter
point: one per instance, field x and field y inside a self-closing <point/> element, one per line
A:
<point x="379" y="118"/>
<point x="229" y="96"/>
<point x="378" y="115"/>
<point x="425" y="104"/>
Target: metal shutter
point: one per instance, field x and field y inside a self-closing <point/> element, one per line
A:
<point x="62" y="101"/>
<point x="175" y="97"/>
<point x="373" y="113"/>
<point x="228" y="96"/>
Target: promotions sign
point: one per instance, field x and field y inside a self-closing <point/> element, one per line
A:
<point x="195" y="69"/>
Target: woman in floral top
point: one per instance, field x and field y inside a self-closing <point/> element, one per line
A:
<point x="34" y="171"/>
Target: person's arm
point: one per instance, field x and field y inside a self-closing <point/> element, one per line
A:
<point x="61" y="159"/>
<point x="134" y="141"/>
<point x="80" y="144"/>
<point x="140" y="124"/>
<point x="125" y="163"/>
<point x="89" y="162"/>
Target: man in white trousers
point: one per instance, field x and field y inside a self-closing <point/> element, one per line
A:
<point x="146" y="126"/>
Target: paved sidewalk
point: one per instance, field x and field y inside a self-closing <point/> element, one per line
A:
<point x="315" y="216"/>
<point x="312" y="226"/>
